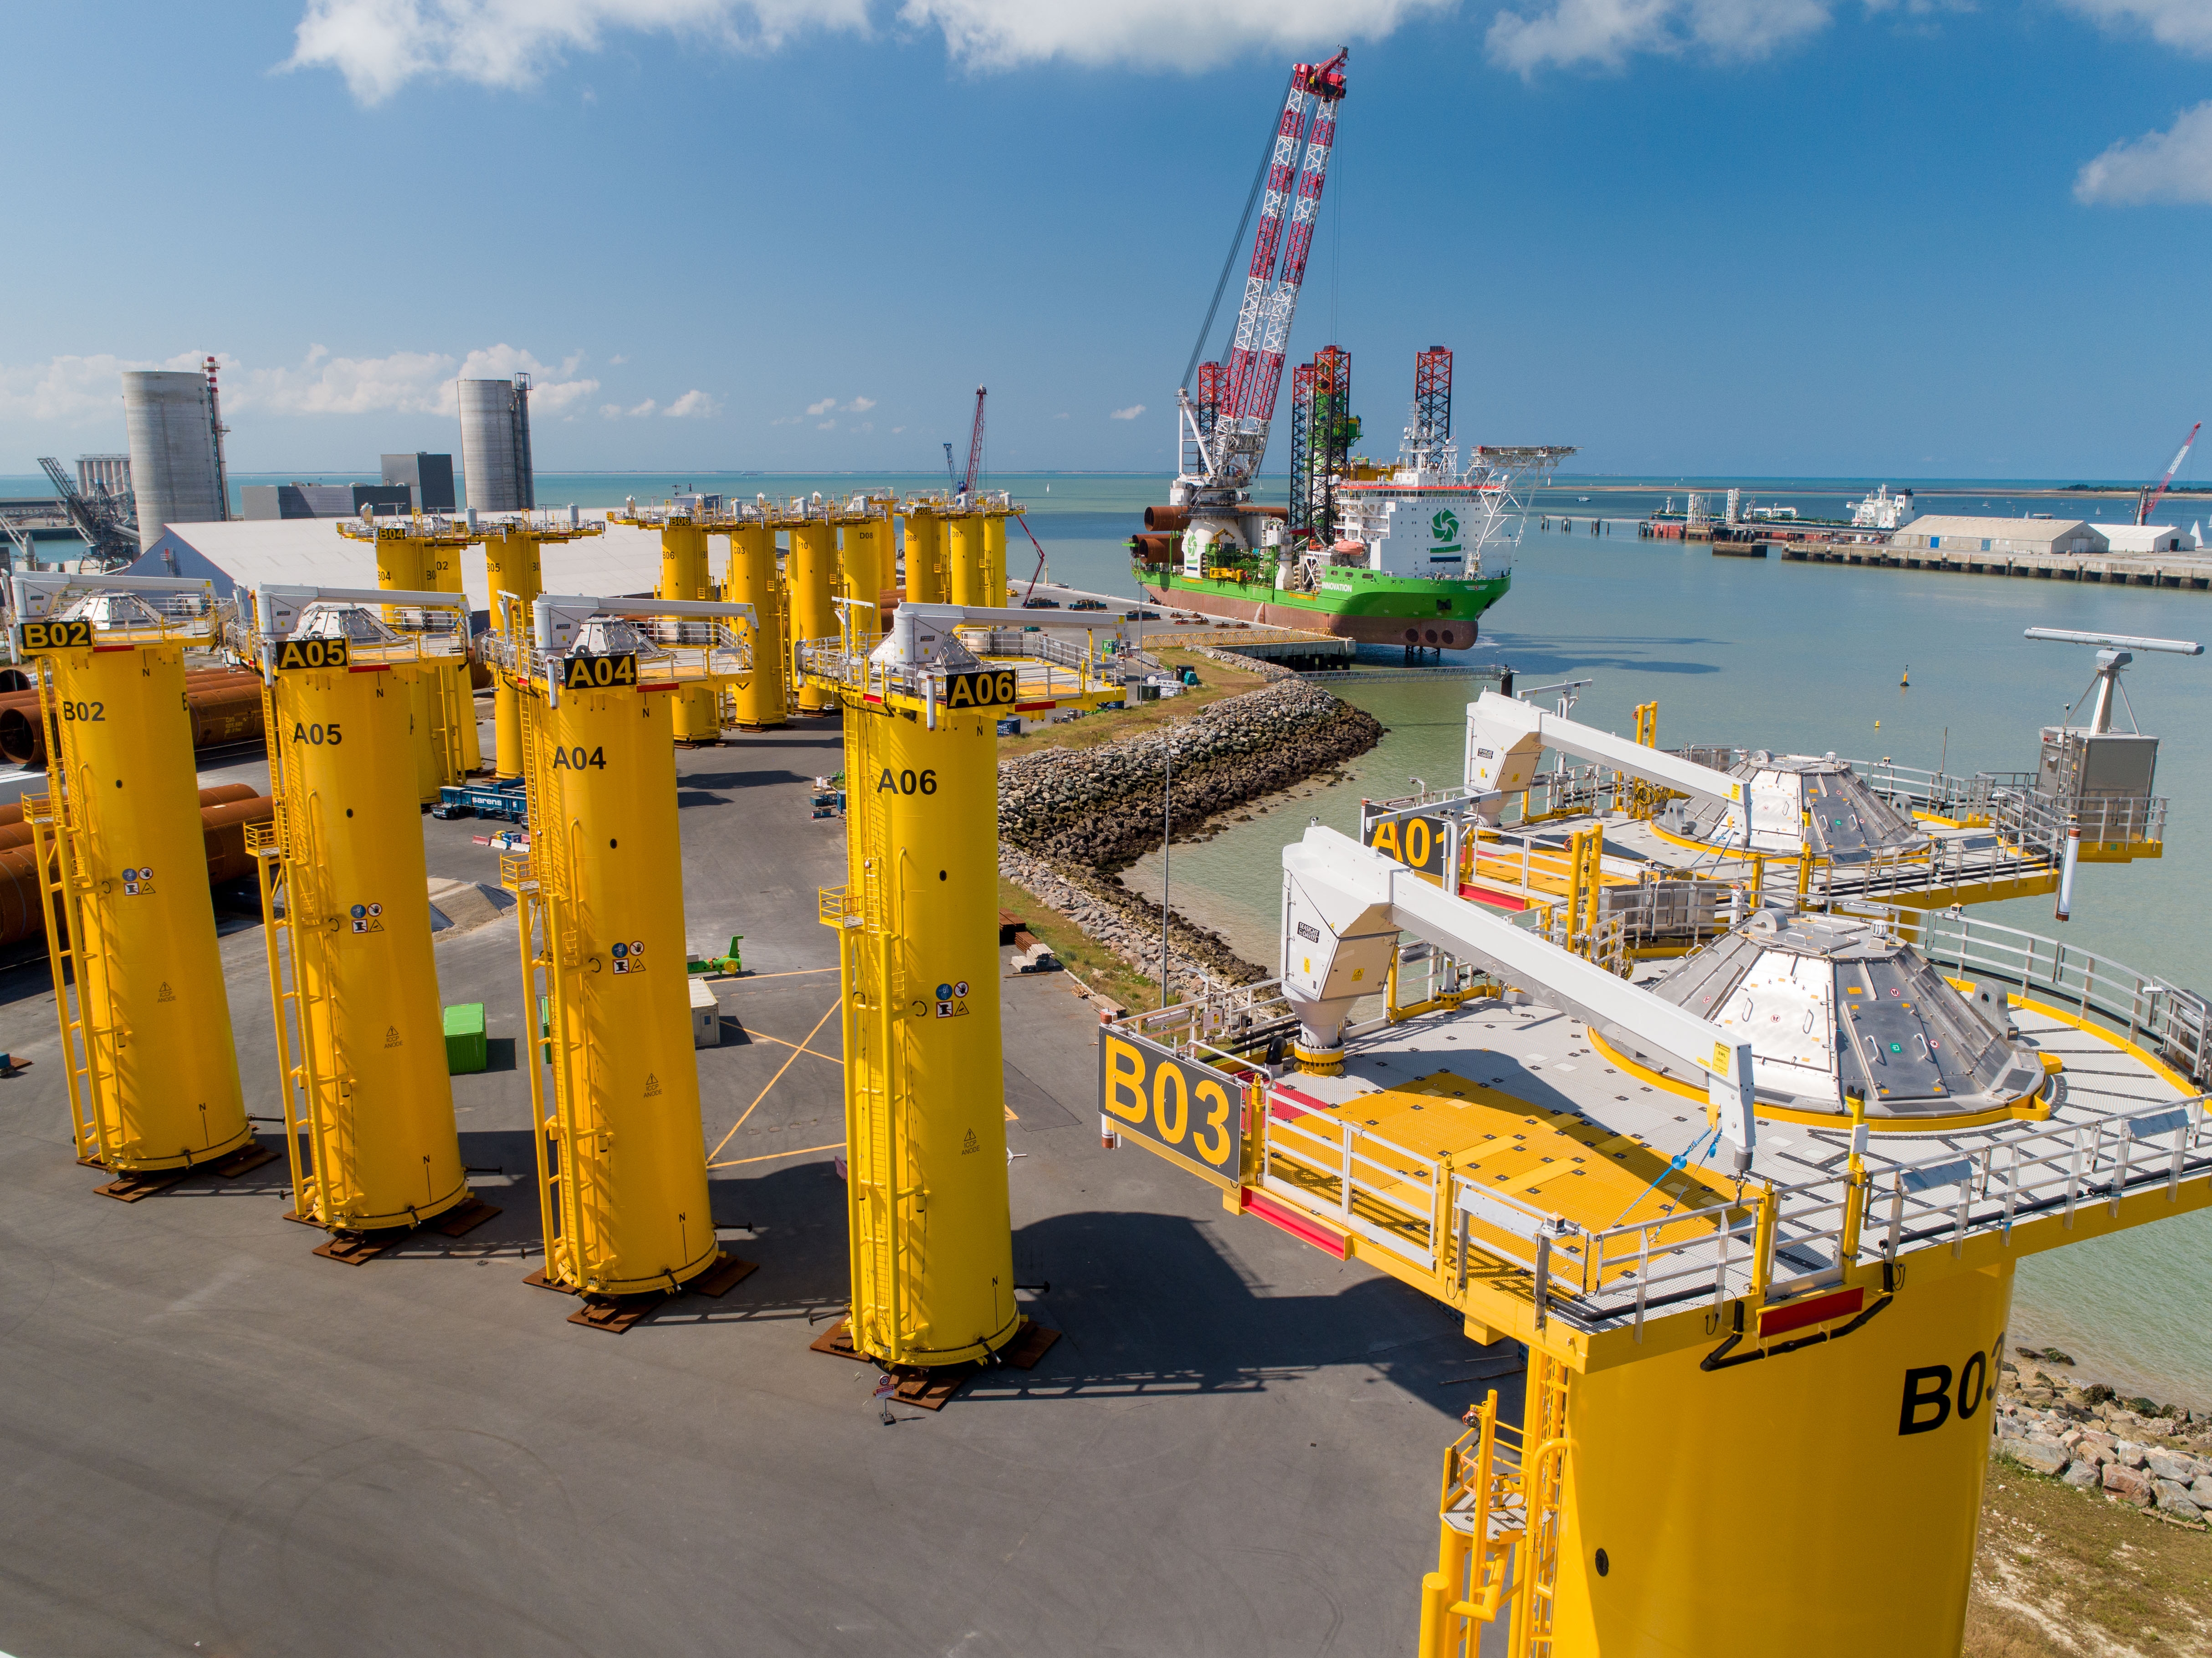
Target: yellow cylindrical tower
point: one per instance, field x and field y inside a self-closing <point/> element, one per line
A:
<point x="621" y="1162"/>
<point x="925" y="555"/>
<point x="374" y="1103"/>
<point x="968" y="580"/>
<point x="925" y="1112"/>
<point x="156" y="1087"/>
<point x="1903" y="1404"/>
<point x="696" y="715"/>
<point x="753" y="579"/>
<point x="994" y="558"/>
<point x="410" y="564"/>
<point x="442" y="562"/>
<point x="867" y="563"/>
<point x="628" y="1166"/>
<point x="511" y="566"/>
<point x="812" y="574"/>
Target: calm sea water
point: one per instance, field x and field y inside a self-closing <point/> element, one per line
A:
<point x="1768" y="653"/>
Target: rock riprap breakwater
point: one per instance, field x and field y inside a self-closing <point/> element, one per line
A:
<point x="1101" y="808"/>
<point x="2162" y="1460"/>
<point x="1070" y="819"/>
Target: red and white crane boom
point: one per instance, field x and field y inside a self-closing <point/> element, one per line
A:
<point x="2147" y="502"/>
<point x="1296" y="171"/>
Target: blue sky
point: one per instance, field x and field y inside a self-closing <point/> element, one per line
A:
<point x="1750" y="237"/>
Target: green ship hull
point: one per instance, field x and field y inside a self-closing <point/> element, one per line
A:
<point x="1371" y="606"/>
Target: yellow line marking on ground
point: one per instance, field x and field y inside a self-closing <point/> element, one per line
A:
<point x="770" y="1157"/>
<point x="762" y="1036"/>
<point x="772" y="1082"/>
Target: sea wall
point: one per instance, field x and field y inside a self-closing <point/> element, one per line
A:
<point x="1070" y="820"/>
<point x="1101" y="808"/>
<point x="2134" y="1450"/>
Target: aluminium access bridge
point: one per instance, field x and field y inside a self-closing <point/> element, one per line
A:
<point x="1626" y="849"/>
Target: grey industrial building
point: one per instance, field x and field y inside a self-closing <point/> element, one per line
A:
<point x="1958" y="536"/>
<point x="428" y="479"/>
<point x="276" y="501"/>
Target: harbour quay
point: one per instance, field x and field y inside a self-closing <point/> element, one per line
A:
<point x="2054" y="550"/>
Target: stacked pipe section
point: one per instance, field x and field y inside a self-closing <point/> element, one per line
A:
<point x="139" y="983"/>
<point x="514" y="577"/>
<point x="223" y="704"/>
<point x="811" y="570"/>
<point x="753" y="578"/>
<point x="695" y="716"/>
<point x="369" y="1103"/>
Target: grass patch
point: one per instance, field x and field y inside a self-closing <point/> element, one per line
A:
<point x="1096" y="965"/>
<point x="2101" y="1571"/>
<point x="1215" y="682"/>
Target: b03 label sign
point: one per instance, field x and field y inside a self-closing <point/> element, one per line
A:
<point x="1189" y="1111"/>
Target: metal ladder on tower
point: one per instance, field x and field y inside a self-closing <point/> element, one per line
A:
<point x="536" y="878"/>
<point x="280" y="860"/>
<point x="878" y="1095"/>
<point x="58" y="846"/>
<point x="1544" y="1489"/>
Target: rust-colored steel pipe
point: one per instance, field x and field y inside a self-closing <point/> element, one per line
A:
<point x="225" y="705"/>
<point x="225" y="811"/>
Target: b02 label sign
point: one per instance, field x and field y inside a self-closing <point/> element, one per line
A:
<point x="52" y="636"/>
<point x="1187" y="1111"/>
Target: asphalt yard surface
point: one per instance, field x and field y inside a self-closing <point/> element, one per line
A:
<point x="215" y="1441"/>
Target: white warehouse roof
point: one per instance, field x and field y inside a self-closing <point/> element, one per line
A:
<point x="309" y="552"/>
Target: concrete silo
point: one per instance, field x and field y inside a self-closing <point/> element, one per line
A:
<point x="176" y="450"/>
<point x="496" y="445"/>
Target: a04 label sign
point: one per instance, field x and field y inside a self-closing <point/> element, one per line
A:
<point x="1189" y="1111"/>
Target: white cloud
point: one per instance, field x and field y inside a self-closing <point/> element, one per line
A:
<point x="1604" y="33"/>
<point x="1130" y="413"/>
<point x="785" y="420"/>
<point x="70" y="389"/>
<point x="1152" y="33"/>
<point x="551" y="389"/>
<point x="73" y="391"/>
<point x="379" y="45"/>
<point x="862" y="405"/>
<point x="618" y="359"/>
<point x="694" y="405"/>
<point x="825" y="426"/>
<point x="2184" y="23"/>
<point x="2174" y="165"/>
<point x="822" y="407"/>
<point x="635" y="411"/>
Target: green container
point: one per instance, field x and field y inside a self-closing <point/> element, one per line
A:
<point x="466" y="1050"/>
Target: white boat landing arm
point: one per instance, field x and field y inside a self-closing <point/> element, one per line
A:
<point x="1344" y="906"/>
<point x="1504" y="736"/>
